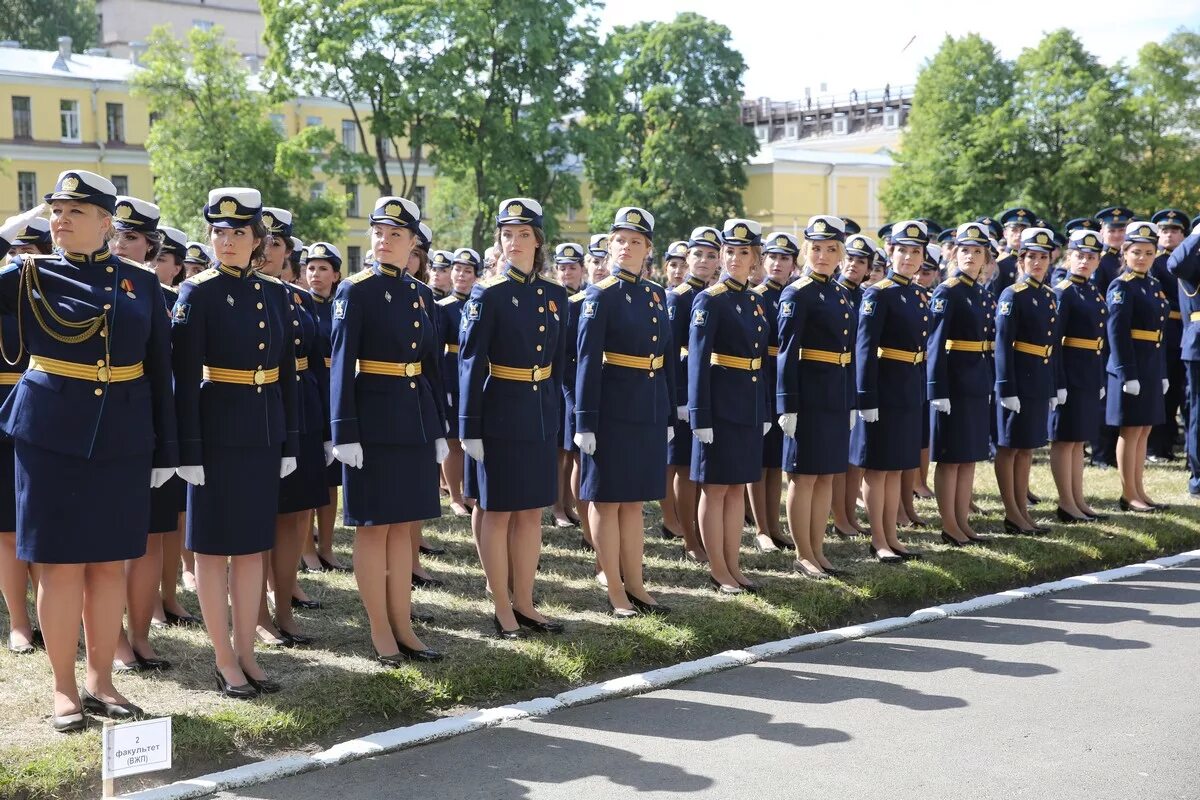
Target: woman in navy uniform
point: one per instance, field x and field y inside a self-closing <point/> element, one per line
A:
<point x="1184" y="265"/>
<point x="728" y="401"/>
<point x="323" y="275"/>
<point x="463" y="273"/>
<point x="512" y="354"/>
<point x="235" y="392"/>
<point x="890" y="380"/>
<point x="389" y="420"/>
<point x="959" y="384"/>
<point x="1079" y="369"/>
<point x="1137" y="314"/>
<point x="675" y="264"/>
<point x="860" y="252"/>
<point x="813" y="390"/>
<point x="595" y="265"/>
<point x="197" y="259"/>
<point x="568" y="263"/>
<point x="33" y="239"/>
<point x="92" y="425"/>
<point x="1173" y="226"/>
<point x="439" y="273"/>
<point x="703" y="262"/>
<point x="914" y="483"/>
<point x="574" y="306"/>
<point x="623" y="409"/>
<point x="305" y="490"/>
<point x="1025" y="385"/>
<point x="780" y="251"/>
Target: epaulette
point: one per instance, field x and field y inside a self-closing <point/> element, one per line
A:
<point x="761" y="289"/>
<point x="611" y="280"/>
<point x="201" y="277"/>
<point x="447" y="300"/>
<point x="804" y="281"/>
<point x="495" y="280"/>
<point x="1020" y="287"/>
<point x="682" y="288"/>
<point x="575" y="298"/>
<point x="1065" y="283"/>
<point x="716" y="289"/>
<point x="1127" y="276"/>
<point x="361" y="276"/>
<point x="953" y="281"/>
<point x="550" y="279"/>
<point x="883" y="284"/>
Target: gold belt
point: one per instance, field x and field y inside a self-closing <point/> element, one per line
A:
<point x="824" y="356"/>
<point x="9" y="378"/>
<point x="86" y="372"/>
<point x="966" y="345"/>
<point x="989" y="347"/>
<point x="649" y="363"/>
<point x="1083" y="344"/>
<point x="452" y="348"/>
<point x="907" y="356"/>
<point x="772" y="351"/>
<point x="329" y="363"/>
<point x="396" y="369"/>
<point x="245" y="377"/>
<point x="1175" y="315"/>
<point x="301" y="364"/>
<point x="527" y="374"/>
<point x="1039" y="350"/>
<point x="1146" y="336"/>
<point x="735" y="362"/>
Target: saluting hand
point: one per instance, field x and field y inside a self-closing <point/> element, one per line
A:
<point x="586" y="442"/>
<point x="18" y="222"/>
<point x="441" y="449"/>
<point x="350" y="454"/>
<point x="788" y="423"/>
<point x="473" y="448"/>
<point x="193" y="475"/>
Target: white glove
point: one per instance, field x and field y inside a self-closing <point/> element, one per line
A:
<point x="940" y="405"/>
<point x="705" y="435"/>
<point x="473" y="448"/>
<point x="160" y="475"/>
<point x="586" y="442"/>
<point x="766" y="428"/>
<point x="193" y="475"/>
<point x="449" y="400"/>
<point x="1103" y="392"/>
<point x="788" y="423"/>
<point x="1061" y="396"/>
<point x="287" y="465"/>
<point x="681" y="413"/>
<point x="350" y="454"/>
<point x="441" y="449"/>
<point x="1166" y="383"/>
<point x="328" y="447"/>
<point x="869" y="414"/>
<point x="17" y="223"/>
<point x="670" y="434"/>
<point x="853" y="418"/>
<point x="1053" y="403"/>
<point x="1011" y="403"/>
<point x="1132" y="388"/>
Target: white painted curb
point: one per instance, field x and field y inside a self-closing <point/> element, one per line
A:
<point x="424" y="732"/>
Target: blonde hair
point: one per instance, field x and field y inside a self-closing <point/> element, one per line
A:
<point x="806" y="250"/>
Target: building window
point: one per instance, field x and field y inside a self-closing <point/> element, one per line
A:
<point x="763" y="132"/>
<point x="354" y="256"/>
<point x="115" y="114"/>
<point x="841" y="124"/>
<point x="793" y="130"/>
<point x="203" y="24"/>
<point x="68" y="114"/>
<point x="418" y="197"/>
<point x="352" y="200"/>
<point x="277" y="122"/>
<point x="312" y="122"/>
<point x="891" y="119"/>
<point x="27" y="194"/>
<point x="316" y="191"/>
<point x="386" y="145"/>
<point x="121" y="182"/>
<point x="570" y="214"/>
<point x="22" y="118"/>
<point x="349" y="135"/>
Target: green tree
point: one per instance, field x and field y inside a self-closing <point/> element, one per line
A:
<point x="663" y="125"/>
<point x="953" y="162"/>
<point x="212" y="129"/>
<point x="37" y="24"/>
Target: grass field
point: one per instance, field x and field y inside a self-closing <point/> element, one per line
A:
<point x="335" y="690"/>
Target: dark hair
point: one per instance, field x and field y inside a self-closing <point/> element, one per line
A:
<point x="422" y="273"/>
<point x="154" y="240"/>
<point x="259" y="232"/>
<point x="182" y="268"/>
<point x="539" y="257"/>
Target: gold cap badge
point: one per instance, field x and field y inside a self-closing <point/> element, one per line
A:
<point x="268" y="221"/>
<point x="913" y="230"/>
<point x="781" y="241"/>
<point x="123" y="211"/>
<point x="1043" y="239"/>
<point x="819" y="226"/>
<point x="634" y="218"/>
<point x="392" y="210"/>
<point x="319" y="250"/>
<point x="740" y="232"/>
<point x="228" y="207"/>
<point x="70" y="183"/>
<point x="515" y="209"/>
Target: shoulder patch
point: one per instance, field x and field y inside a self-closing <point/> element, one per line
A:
<point x="447" y="301"/>
<point x="575" y="298"/>
<point x="716" y="289"/>
<point x="786" y="308"/>
<point x="495" y="280"/>
<point x="761" y="289"/>
<point x="939" y="305"/>
<point x="805" y="281"/>
<point x="361" y="276"/>
<point x="1127" y="276"/>
<point x="1065" y="283"/>
<point x="201" y="277"/>
<point x="682" y="288"/>
<point x="1020" y="287"/>
<point x="867" y="308"/>
<point x="955" y="281"/>
<point x="883" y="284"/>
<point x="611" y="280"/>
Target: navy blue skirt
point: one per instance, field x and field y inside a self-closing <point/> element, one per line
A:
<point x="233" y="513"/>
<point x="773" y="447"/>
<point x="306" y="488"/>
<point x="333" y="474"/>
<point x="1077" y="420"/>
<point x="961" y="437"/>
<point x="167" y="502"/>
<point x="629" y="466"/>
<point x="679" y="451"/>
<point x="735" y="455"/>
<point x="397" y="483"/>
<point x="1126" y="410"/>
<point x="568" y="427"/>
<point x="926" y="428"/>
<point x="822" y="443"/>
<point x="514" y="476"/>
<point x="73" y="510"/>
<point x="1024" y="431"/>
<point x="8" y="487"/>
<point x="891" y="443"/>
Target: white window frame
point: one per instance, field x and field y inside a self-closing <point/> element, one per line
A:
<point x="891" y="118"/>
<point x="69" y="122"/>
<point x="841" y="125"/>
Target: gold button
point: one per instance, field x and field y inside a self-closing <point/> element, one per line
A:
<point x="297" y="341"/>
<point x="258" y="389"/>
<point x="654" y="319"/>
<point x="541" y="309"/>
<point x="260" y="306"/>
<point x="846" y="316"/>
<point x="654" y="338"/>
<point x="535" y="387"/>
<point x="100" y="362"/>
<point x="539" y="348"/>
<point x="258" y="286"/>
<point x="261" y="346"/>
<point x="539" y="291"/>
<point x="108" y="288"/>
<point x="416" y="305"/>
<point x="103" y="334"/>
<point x="99" y="392"/>
<point x="295" y="323"/>
<point x="541" y="328"/>
<point x="412" y="384"/>
<point x="262" y="324"/>
<point x="108" y="269"/>
<point x="651" y="373"/>
<point x="845" y="333"/>
<point x="107" y="307"/>
<point x="651" y="304"/>
<point x="412" y="286"/>
<point x="754" y="379"/>
<point x="842" y="301"/>
<point x="925" y="318"/>
<point x="417" y="324"/>
<point x="760" y="328"/>
<point x="1049" y="333"/>
<point x="414" y="345"/>
<point x="1045" y="361"/>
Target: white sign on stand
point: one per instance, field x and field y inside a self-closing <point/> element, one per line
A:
<point x="136" y="747"/>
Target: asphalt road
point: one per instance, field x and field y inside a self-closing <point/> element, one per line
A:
<point x="1090" y="693"/>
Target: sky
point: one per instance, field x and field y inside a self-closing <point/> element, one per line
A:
<point x="874" y="43"/>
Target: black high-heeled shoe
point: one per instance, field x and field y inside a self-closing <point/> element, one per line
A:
<point x="622" y="613"/>
<point x="119" y="711"/>
<point x="760" y="548"/>
<point x="979" y="539"/>
<point x="244" y="692"/>
<point x="909" y="555"/>
<point x="782" y="544"/>
<point x="182" y="620"/>
<point x="649" y="608"/>
<point x="664" y="533"/>
<point x="816" y="575"/>
<point x="1128" y="506"/>
<point x="329" y="566"/>
<point x="1096" y="516"/>
<point x="549" y="626"/>
<point x="419" y="582"/>
<point x="503" y="633"/>
<point x="1032" y="498"/>
<point x="893" y="559"/>
<point x="420" y="616"/>
<point x="264" y="685"/>
<point x="426" y="550"/>
<point x="1067" y="518"/>
<point x="151" y="664"/>
<point x="722" y="588"/>
<point x="69" y="723"/>
<point x="428" y="655"/>
<point x="751" y="588"/>
<point x="1017" y="530"/>
<point x="294" y="639"/>
<point x="835" y="572"/>
<point x="950" y="540"/>
<point x="311" y="605"/>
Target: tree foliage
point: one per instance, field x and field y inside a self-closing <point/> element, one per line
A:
<point x="37" y="24"/>
<point x="663" y="127"/>
<point x="212" y="129"/>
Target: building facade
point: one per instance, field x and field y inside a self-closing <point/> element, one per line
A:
<point x="126" y="23"/>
